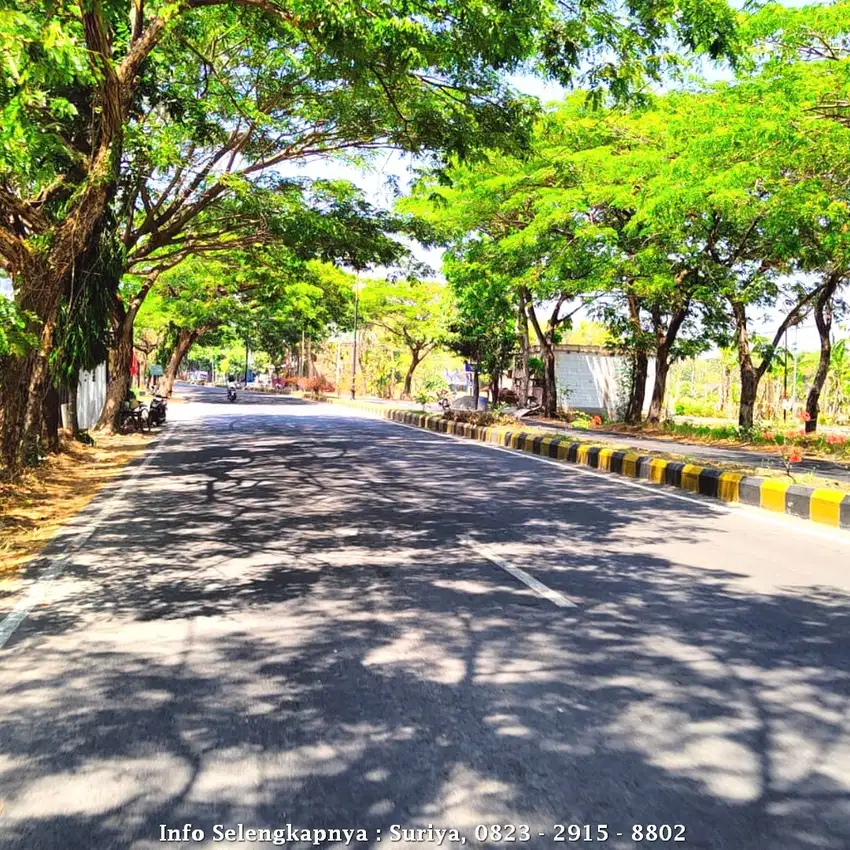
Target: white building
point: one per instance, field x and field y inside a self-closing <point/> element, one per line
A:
<point x="594" y="380"/>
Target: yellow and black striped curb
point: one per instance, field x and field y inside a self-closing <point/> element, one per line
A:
<point x="830" y="507"/>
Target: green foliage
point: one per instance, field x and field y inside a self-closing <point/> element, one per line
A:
<point x="81" y="338"/>
<point x="482" y="327"/>
<point x="689" y="407"/>
<point x="481" y="418"/>
<point x="535" y="367"/>
<point x="16" y="334"/>
<point x="430" y="389"/>
<point x="409" y="311"/>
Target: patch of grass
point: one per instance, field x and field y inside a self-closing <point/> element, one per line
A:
<point x="33" y="508"/>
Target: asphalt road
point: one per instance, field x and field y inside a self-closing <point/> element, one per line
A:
<point x="295" y="614"/>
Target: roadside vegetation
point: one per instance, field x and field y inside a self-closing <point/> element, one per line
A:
<point x="149" y="213"/>
<point x="33" y="508"/>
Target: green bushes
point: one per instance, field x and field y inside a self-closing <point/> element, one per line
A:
<point x="482" y="418"/>
<point x="429" y="390"/>
<point x="317" y="384"/>
<point x="693" y="407"/>
<point x="764" y="435"/>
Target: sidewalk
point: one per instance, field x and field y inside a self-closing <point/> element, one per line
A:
<point x="753" y="457"/>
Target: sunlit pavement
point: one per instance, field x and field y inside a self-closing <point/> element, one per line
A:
<point x="287" y="618"/>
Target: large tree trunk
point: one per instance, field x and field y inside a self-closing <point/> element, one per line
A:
<point x="749" y="392"/>
<point x="120" y="363"/>
<point x="41" y="284"/>
<point x="640" y="366"/>
<point x="521" y="379"/>
<point x="665" y="339"/>
<point x="547" y="354"/>
<point x="415" y="360"/>
<point x="51" y="418"/>
<point x="550" y="386"/>
<point x="637" y="387"/>
<point x="73" y="419"/>
<point x="476" y="386"/>
<point x="659" y="386"/>
<point x="823" y="320"/>
<point x="308" y="356"/>
<point x="185" y="340"/>
<point x="750" y="376"/>
<point x="26" y="380"/>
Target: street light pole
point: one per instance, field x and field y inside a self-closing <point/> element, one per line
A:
<point x="354" y="349"/>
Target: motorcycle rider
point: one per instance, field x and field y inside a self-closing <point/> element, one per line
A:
<point x="231" y="387"/>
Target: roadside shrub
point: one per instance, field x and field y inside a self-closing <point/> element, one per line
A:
<point x="507" y="396"/>
<point x="319" y="384"/>
<point x="482" y="418"/>
<point x="708" y="432"/>
<point x="693" y="407"/>
<point x="764" y="435"/>
<point x="430" y="389"/>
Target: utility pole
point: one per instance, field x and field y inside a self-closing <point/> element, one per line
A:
<point x="338" y="362"/>
<point x="246" y="360"/>
<point x="354" y="349"/>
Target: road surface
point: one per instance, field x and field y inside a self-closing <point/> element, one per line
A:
<point x="298" y="615"/>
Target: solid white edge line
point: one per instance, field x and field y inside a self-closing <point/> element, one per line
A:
<point x="729" y="508"/>
<point x="553" y="596"/>
<point x="36" y="591"/>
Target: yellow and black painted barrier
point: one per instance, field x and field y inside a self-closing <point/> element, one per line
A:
<point x="830" y="507"/>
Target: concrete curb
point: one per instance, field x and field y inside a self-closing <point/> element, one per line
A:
<point x="828" y="507"/>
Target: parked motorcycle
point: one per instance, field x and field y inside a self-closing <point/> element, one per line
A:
<point x="158" y="409"/>
<point x="532" y="408"/>
<point x="136" y="418"/>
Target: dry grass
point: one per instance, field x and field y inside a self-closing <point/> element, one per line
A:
<point x="33" y="509"/>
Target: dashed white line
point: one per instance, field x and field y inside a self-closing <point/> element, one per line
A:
<point x="553" y="596"/>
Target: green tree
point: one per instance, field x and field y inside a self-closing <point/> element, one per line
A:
<point x="84" y="84"/>
<point x="483" y="325"/>
<point x="410" y="310"/>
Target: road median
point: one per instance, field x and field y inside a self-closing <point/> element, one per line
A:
<point x="818" y="504"/>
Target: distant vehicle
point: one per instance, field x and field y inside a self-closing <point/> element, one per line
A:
<point x="198" y="377"/>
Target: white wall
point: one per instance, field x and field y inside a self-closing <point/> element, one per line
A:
<point x="593" y="381"/>
<point x="91" y="396"/>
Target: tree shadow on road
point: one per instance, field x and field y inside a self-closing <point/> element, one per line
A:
<point x="313" y="645"/>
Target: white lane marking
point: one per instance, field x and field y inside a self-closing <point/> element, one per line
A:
<point x="537" y="586"/>
<point x="37" y="590"/>
<point x="789" y="523"/>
